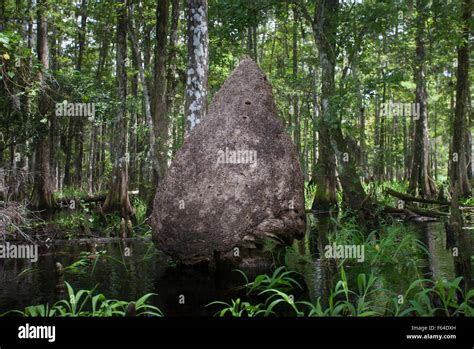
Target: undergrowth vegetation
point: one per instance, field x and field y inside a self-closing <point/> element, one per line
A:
<point x="86" y="303"/>
<point x="365" y="297"/>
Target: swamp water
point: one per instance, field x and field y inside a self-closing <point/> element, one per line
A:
<point x="127" y="269"/>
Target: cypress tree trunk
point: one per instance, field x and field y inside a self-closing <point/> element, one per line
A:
<point x="42" y="192"/>
<point x="160" y="105"/>
<point x="117" y="198"/>
<point x="420" y="179"/>
<point x="460" y="149"/>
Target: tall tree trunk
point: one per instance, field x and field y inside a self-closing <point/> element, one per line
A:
<point x="198" y="62"/>
<point x="42" y="192"/>
<point x="172" y="74"/>
<point x="160" y="105"/>
<point x="420" y="179"/>
<point x="148" y="117"/>
<point x="361" y="119"/>
<point x="100" y="151"/>
<point x="295" y="99"/>
<point x="68" y="151"/>
<point x="380" y="132"/>
<point x="133" y="143"/>
<point x="117" y="198"/>
<point x="54" y="130"/>
<point x="460" y="149"/>
<point x="81" y="38"/>
<point x="79" y="130"/>
<point x="92" y="158"/>
<point x="331" y="140"/>
<point x="314" y="123"/>
<point x="406" y="152"/>
<point x="325" y="35"/>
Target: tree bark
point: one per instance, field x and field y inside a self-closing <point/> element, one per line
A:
<point x="325" y="35"/>
<point x="172" y="75"/>
<point x="42" y="192"/>
<point x="460" y="149"/>
<point x="160" y="105"/>
<point x="117" y="197"/>
<point x="420" y="179"/>
<point x="198" y="62"/>
<point x="79" y="129"/>
<point x="154" y="162"/>
<point x="295" y="99"/>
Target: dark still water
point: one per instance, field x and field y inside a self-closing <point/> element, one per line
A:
<point x="128" y="269"/>
<point x="124" y="270"/>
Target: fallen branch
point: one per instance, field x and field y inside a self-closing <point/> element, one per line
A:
<point x="13" y="217"/>
<point x="415" y="213"/>
<point x="406" y="212"/>
<point x="410" y="198"/>
<point x="427" y="213"/>
<point x="84" y="199"/>
<point x="67" y="202"/>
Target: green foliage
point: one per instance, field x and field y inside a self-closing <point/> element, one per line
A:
<point x="467" y="201"/>
<point x="273" y="288"/>
<point x="87" y="260"/>
<point x="280" y="279"/>
<point x="367" y="298"/>
<point x="426" y="297"/>
<point x="142" y="226"/>
<point x="394" y="245"/>
<point x="378" y="191"/>
<point x="91" y="260"/>
<point x="237" y="308"/>
<point x="397" y="248"/>
<point x="346" y="302"/>
<point x="84" y="303"/>
<point x="85" y="219"/>
<point x="28" y="271"/>
<point x="309" y="194"/>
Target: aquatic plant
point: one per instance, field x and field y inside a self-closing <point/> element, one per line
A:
<point x="84" y="303"/>
<point x="280" y="279"/>
<point x="343" y="301"/>
<point x="238" y="308"/>
<point x="272" y="287"/>
<point x="393" y="245"/>
<point x="87" y="259"/>
<point x="426" y="297"/>
<point x="423" y="297"/>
